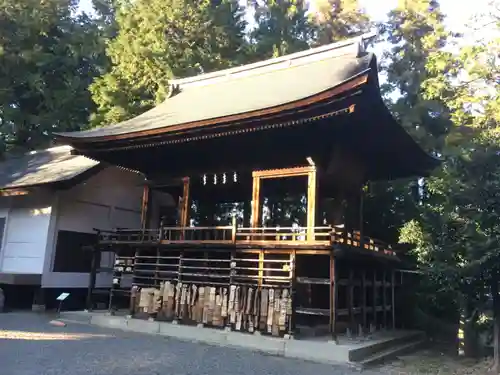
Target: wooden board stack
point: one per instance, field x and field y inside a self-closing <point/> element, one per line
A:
<point x="242" y="308"/>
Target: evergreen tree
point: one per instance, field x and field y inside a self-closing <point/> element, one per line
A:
<point x="457" y="232"/>
<point x="339" y="19"/>
<point x="47" y="61"/>
<point x="282" y="27"/>
<point x="162" y="39"/>
<point x="415" y="30"/>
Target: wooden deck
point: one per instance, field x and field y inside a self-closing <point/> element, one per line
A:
<point x="299" y="237"/>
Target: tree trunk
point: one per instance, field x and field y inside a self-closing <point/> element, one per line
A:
<point x="496" y="324"/>
<point x="468" y="339"/>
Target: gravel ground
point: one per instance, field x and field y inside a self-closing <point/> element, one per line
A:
<point x="30" y="346"/>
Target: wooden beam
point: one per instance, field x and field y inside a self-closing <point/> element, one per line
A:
<point x="254" y="219"/>
<point x="13" y="192"/>
<point x="184" y="220"/>
<point x="284" y="172"/>
<point x="311" y="203"/>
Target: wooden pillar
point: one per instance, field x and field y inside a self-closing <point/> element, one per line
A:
<point x="311" y="203"/>
<point x="375" y="298"/>
<point x="333" y="298"/>
<point x="145" y="206"/>
<point x="89" y="304"/>
<point x="292" y="274"/>
<point x="393" y="300"/>
<point x="384" y="297"/>
<point x="350" y="299"/>
<point x="361" y="219"/>
<point x="184" y="214"/>
<point x="254" y="219"/>
<point x="363" y="287"/>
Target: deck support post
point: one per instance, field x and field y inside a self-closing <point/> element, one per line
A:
<point x="375" y="298"/>
<point x="363" y="299"/>
<point x="293" y="294"/>
<point x="333" y="298"/>
<point x="384" y="297"/>
<point x="89" y="303"/>
<point x="393" y="300"/>
<point x="261" y="268"/>
<point x="350" y="301"/>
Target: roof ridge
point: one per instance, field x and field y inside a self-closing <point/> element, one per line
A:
<point x="50" y="150"/>
<point x="353" y="46"/>
<point x="54" y="149"/>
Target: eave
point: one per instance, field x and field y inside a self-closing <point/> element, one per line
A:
<point x="229" y="125"/>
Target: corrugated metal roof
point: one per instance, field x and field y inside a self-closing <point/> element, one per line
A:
<point x="43" y="167"/>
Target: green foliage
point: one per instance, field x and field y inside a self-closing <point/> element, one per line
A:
<point x="415" y="30"/>
<point x="457" y="232"/>
<point x="282" y="28"/>
<point x="47" y="61"/>
<point x="336" y="20"/>
<point x="159" y="40"/>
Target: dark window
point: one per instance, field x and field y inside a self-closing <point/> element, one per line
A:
<point x="71" y="255"/>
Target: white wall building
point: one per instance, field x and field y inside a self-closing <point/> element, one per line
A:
<point x="50" y="203"/>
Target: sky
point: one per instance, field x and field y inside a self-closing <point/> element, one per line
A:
<point x="458" y="13"/>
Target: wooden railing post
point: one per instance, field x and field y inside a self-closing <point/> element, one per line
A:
<point x="311" y="204"/>
<point x="160" y="232"/>
<point x="233" y="230"/>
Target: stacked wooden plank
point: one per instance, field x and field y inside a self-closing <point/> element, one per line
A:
<point x="242" y="308"/>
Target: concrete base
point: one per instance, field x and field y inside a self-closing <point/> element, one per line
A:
<point x="318" y="350"/>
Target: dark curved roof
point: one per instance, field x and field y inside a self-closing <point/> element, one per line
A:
<point x="247" y="89"/>
<point x="297" y="88"/>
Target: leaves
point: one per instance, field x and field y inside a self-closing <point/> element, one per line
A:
<point x="457" y="234"/>
<point x="160" y="40"/>
<point x="336" y="20"/>
<point x="48" y="59"/>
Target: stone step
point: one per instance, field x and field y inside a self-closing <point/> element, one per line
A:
<point x="390" y="354"/>
<point x="360" y="354"/>
<point x="75" y="317"/>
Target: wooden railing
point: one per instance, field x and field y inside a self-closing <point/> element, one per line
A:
<point x="325" y="235"/>
<point x="316" y="235"/>
<point x="354" y="239"/>
<point x="129" y="235"/>
<point x="219" y="234"/>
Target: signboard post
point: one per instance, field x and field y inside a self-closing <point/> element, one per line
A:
<point x="62" y="297"/>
